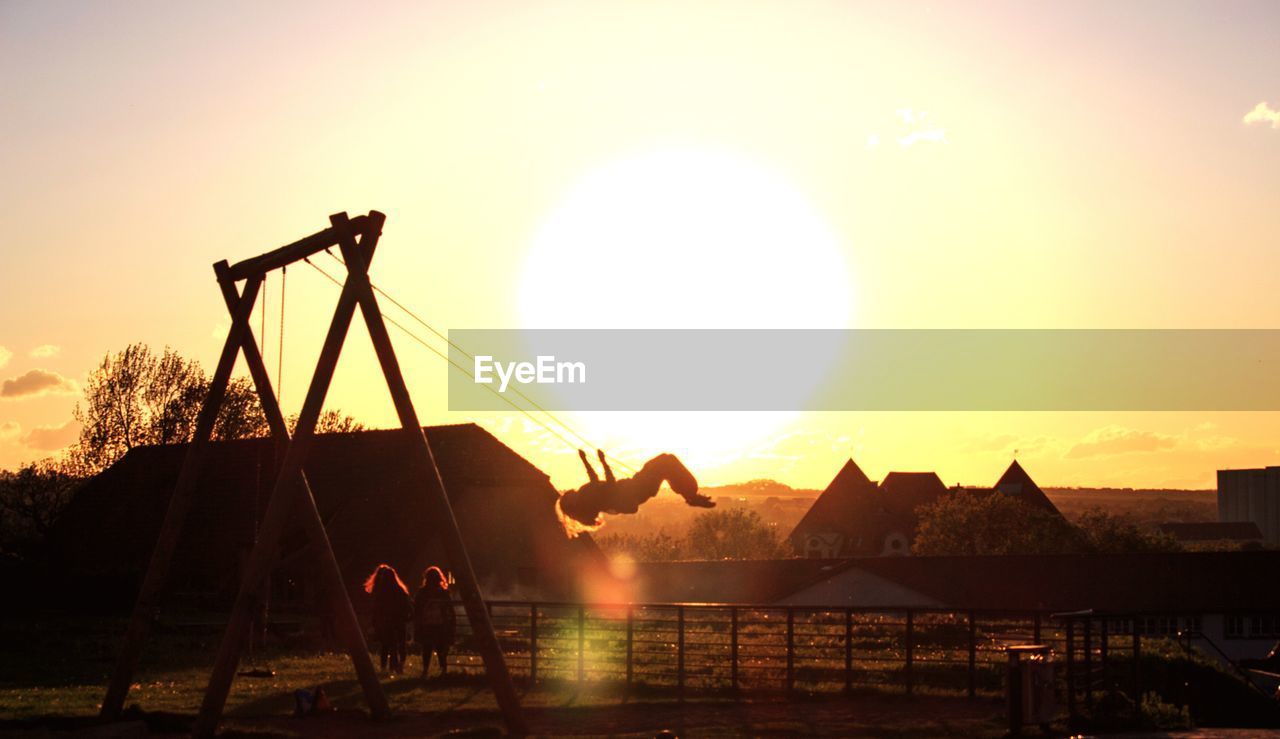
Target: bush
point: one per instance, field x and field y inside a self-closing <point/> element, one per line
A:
<point x="735" y="533"/>
<point x="1157" y="714"/>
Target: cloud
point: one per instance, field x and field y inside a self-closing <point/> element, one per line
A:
<point x="1114" y="440"/>
<point x="5" y="354"/>
<point x="989" y="443"/>
<point x="45" y="350"/>
<point x="931" y="135"/>
<point x="911" y="127"/>
<point x="52" y="438"/>
<point x="36" y="382"/>
<point x="10" y="430"/>
<point x="1263" y="115"/>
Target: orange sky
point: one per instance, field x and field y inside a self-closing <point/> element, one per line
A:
<point x="975" y="165"/>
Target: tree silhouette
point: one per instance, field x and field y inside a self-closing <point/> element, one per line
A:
<point x="31" y="500"/>
<point x="972" y="523"/>
<point x="976" y="523"/>
<point x="135" y="398"/>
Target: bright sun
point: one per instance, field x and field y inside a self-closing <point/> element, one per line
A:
<point x="684" y="237"/>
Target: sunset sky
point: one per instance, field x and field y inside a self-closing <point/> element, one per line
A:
<point x="658" y="164"/>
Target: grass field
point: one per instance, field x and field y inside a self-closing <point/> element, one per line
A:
<point x="55" y="673"/>
<point x="55" y="670"/>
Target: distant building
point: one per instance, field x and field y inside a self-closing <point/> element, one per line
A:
<point x="847" y="519"/>
<point x="856" y="517"/>
<point x="1252" y="495"/>
<point x="1214" y="533"/>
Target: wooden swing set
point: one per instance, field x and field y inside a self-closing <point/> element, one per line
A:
<point x="356" y="238"/>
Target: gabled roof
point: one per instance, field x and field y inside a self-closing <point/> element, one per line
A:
<point x="850" y="475"/>
<point x="905" y="491"/>
<point x="1015" y="482"/>
<point x="846" y="506"/>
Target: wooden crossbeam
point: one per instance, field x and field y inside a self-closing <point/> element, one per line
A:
<point x="295" y="252"/>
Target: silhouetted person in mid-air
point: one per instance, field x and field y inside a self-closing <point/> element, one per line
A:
<point x="392" y="609"/>
<point x="585" y="504"/>
<point x="434" y="621"/>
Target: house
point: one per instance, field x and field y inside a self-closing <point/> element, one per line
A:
<point x="1016" y="483"/>
<point x="1252" y="495"/>
<point x="373" y="504"/>
<point x="843" y="521"/>
<point x="856" y="517"/>
<point x="1217" y="534"/>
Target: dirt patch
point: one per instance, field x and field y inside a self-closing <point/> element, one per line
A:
<point x="851" y="717"/>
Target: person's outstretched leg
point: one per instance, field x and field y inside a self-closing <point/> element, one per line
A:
<point x="604" y="462"/>
<point x="443" y="652"/>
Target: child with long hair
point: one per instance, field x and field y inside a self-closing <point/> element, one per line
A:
<point x="434" y="621"/>
<point x="392" y="610"/>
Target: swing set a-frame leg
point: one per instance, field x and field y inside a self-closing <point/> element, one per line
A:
<point x="495" y="664"/>
<point x="175" y="516"/>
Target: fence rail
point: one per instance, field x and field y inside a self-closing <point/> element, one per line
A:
<point x="760" y="647"/>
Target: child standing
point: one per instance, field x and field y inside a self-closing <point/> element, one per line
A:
<point x="434" y="621"/>
<point x="392" y="610"/>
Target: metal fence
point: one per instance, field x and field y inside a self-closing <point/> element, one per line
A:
<point x="1100" y="651"/>
<point x="760" y="647"/>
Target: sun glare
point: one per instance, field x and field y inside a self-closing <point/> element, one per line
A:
<point x="685" y="237"/>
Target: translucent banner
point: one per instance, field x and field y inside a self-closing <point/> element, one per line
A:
<point x="866" y="369"/>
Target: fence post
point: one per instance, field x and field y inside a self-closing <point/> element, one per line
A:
<point x="973" y="656"/>
<point x="680" y="650"/>
<point x="848" y="650"/>
<point x="909" y="675"/>
<point x="582" y="643"/>
<point x="1035" y="632"/>
<point x="733" y="647"/>
<point x="1071" y="668"/>
<point x="1137" y="663"/>
<point x="1103" y="646"/>
<point x="630" y="644"/>
<point x="533" y="643"/>
<point x="1088" y="662"/>
<point x="791" y="647"/>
